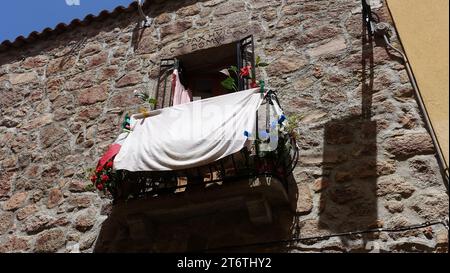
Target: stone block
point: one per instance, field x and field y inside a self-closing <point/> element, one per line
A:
<point x="50" y="241"/>
<point x="16" y="201"/>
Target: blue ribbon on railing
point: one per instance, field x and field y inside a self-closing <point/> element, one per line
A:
<point x="282" y="118"/>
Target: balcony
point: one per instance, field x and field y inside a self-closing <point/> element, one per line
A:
<point x="245" y="193"/>
<point x="249" y="169"/>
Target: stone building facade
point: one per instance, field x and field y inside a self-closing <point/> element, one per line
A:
<point x="366" y="159"/>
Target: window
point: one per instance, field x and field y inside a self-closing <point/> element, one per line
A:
<point x="200" y="70"/>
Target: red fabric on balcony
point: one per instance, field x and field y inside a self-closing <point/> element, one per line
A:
<point x="109" y="154"/>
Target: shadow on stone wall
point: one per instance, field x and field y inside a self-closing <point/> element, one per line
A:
<point x="222" y="220"/>
<point x="349" y="201"/>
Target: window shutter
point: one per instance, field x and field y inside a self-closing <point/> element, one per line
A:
<point x="164" y="91"/>
<point x="245" y="56"/>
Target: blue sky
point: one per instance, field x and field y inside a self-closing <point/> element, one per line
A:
<point x="21" y="17"/>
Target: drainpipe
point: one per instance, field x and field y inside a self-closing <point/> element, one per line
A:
<point x="384" y="30"/>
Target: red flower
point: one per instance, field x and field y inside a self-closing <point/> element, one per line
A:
<point x="99" y="169"/>
<point x="253" y="84"/>
<point x="93" y="178"/>
<point x="100" y="187"/>
<point x="104" y="178"/>
<point x="245" y="71"/>
<point x="109" y="164"/>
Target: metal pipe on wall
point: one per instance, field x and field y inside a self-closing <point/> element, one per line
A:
<point x="382" y="29"/>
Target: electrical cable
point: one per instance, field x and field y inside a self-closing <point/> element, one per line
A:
<point x="323" y="237"/>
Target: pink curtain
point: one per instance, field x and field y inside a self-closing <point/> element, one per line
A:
<point x="180" y="94"/>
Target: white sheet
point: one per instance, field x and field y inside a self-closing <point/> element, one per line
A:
<point x="191" y="134"/>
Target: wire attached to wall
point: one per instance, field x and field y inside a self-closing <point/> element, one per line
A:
<point x="325" y="237"/>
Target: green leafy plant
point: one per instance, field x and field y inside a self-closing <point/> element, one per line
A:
<point x="89" y="187"/>
<point x="229" y="83"/>
<point x="292" y="125"/>
<point x="246" y="72"/>
<point x="259" y="63"/>
<point x="145" y="98"/>
<point x="88" y="172"/>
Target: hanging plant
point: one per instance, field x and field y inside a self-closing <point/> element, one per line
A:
<point x="104" y="177"/>
<point x="292" y="125"/>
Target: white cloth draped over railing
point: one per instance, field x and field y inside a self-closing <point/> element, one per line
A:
<point x="190" y="135"/>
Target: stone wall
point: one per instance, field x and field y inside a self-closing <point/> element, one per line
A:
<point x="366" y="159"/>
